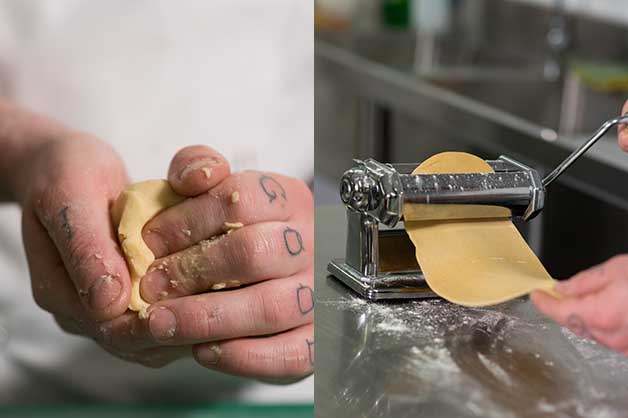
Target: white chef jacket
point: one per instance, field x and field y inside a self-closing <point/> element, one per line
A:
<point x="149" y="77"/>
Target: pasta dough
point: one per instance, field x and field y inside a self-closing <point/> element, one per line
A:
<point x="472" y="262"/>
<point x="136" y="205"/>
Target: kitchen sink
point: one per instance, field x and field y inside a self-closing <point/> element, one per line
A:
<point x="407" y="51"/>
<point x="503" y="79"/>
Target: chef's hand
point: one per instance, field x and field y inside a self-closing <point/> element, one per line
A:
<point x="76" y="267"/>
<point x="65" y="182"/>
<point x="243" y="299"/>
<point x="594" y="301"/>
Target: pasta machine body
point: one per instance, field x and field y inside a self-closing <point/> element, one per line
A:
<point x="379" y="261"/>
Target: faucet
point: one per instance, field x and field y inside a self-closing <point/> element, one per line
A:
<point x="431" y="19"/>
<point x="557" y="40"/>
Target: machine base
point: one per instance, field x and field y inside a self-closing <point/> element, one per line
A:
<point x="406" y="285"/>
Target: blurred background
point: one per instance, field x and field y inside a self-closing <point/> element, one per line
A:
<point x="400" y="80"/>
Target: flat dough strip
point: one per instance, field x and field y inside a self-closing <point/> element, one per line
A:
<point x="425" y="212"/>
<point x="136" y="205"/>
<point x="443" y="165"/>
<point x="472" y="262"/>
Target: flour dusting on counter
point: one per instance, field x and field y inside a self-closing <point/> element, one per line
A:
<point x="471" y="360"/>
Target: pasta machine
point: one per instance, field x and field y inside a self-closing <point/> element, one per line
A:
<point x="379" y="262"/>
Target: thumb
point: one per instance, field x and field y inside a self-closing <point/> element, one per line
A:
<point x="196" y="169"/>
<point x="77" y="219"/>
<point x="595" y="278"/>
<point x="587" y="281"/>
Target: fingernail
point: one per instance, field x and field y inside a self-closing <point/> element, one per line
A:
<point x="155" y="284"/>
<point x="210" y="356"/>
<point x="205" y="166"/>
<point x="162" y="323"/>
<point x="105" y="290"/>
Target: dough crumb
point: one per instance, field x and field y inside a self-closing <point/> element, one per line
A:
<point x="194" y="265"/>
<point x="229" y="226"/>
<point x="219" y="286"/>
<point x="186" y="232"/>
<point x="105" y="331"/>
<point x="174" y="284"/>
<point x="98" y="256"/>
<point x="163" y="295"/>
<point x="217" y="351"/>
<point x="204" y="165"/>
<point x="106" y="277"/>
<point x="234" y="283"/>
<point x="235" y="197"/>
<point x="143" y="313"/>
<point x="205" y="244"/>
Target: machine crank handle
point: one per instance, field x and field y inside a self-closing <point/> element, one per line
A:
<point x="583" y="148"/>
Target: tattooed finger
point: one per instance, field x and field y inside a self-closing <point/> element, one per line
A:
<point x="272" y="188"/>
<point x="294" y="242"/>
<point x="248" y="255"/>
<point x="288" y="355"/>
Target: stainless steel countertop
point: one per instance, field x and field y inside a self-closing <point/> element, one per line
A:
<point x="434" y="359"/>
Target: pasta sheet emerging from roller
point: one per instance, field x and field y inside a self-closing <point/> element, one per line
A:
<point x="477" y="261"/>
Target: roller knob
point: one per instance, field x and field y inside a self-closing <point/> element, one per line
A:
<point x="358" y="190"/>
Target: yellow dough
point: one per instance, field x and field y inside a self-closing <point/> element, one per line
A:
<point x="136" y="205"/>
<point x="445" y="163"/>
<point x="472" y="262"/>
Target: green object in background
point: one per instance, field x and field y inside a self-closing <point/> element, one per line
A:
<point x="604" y="77"/>
<point x="223" y="410"/>
<point x="396" y="13"/>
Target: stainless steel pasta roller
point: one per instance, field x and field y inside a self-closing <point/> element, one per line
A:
<point x="379" y="262"/>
